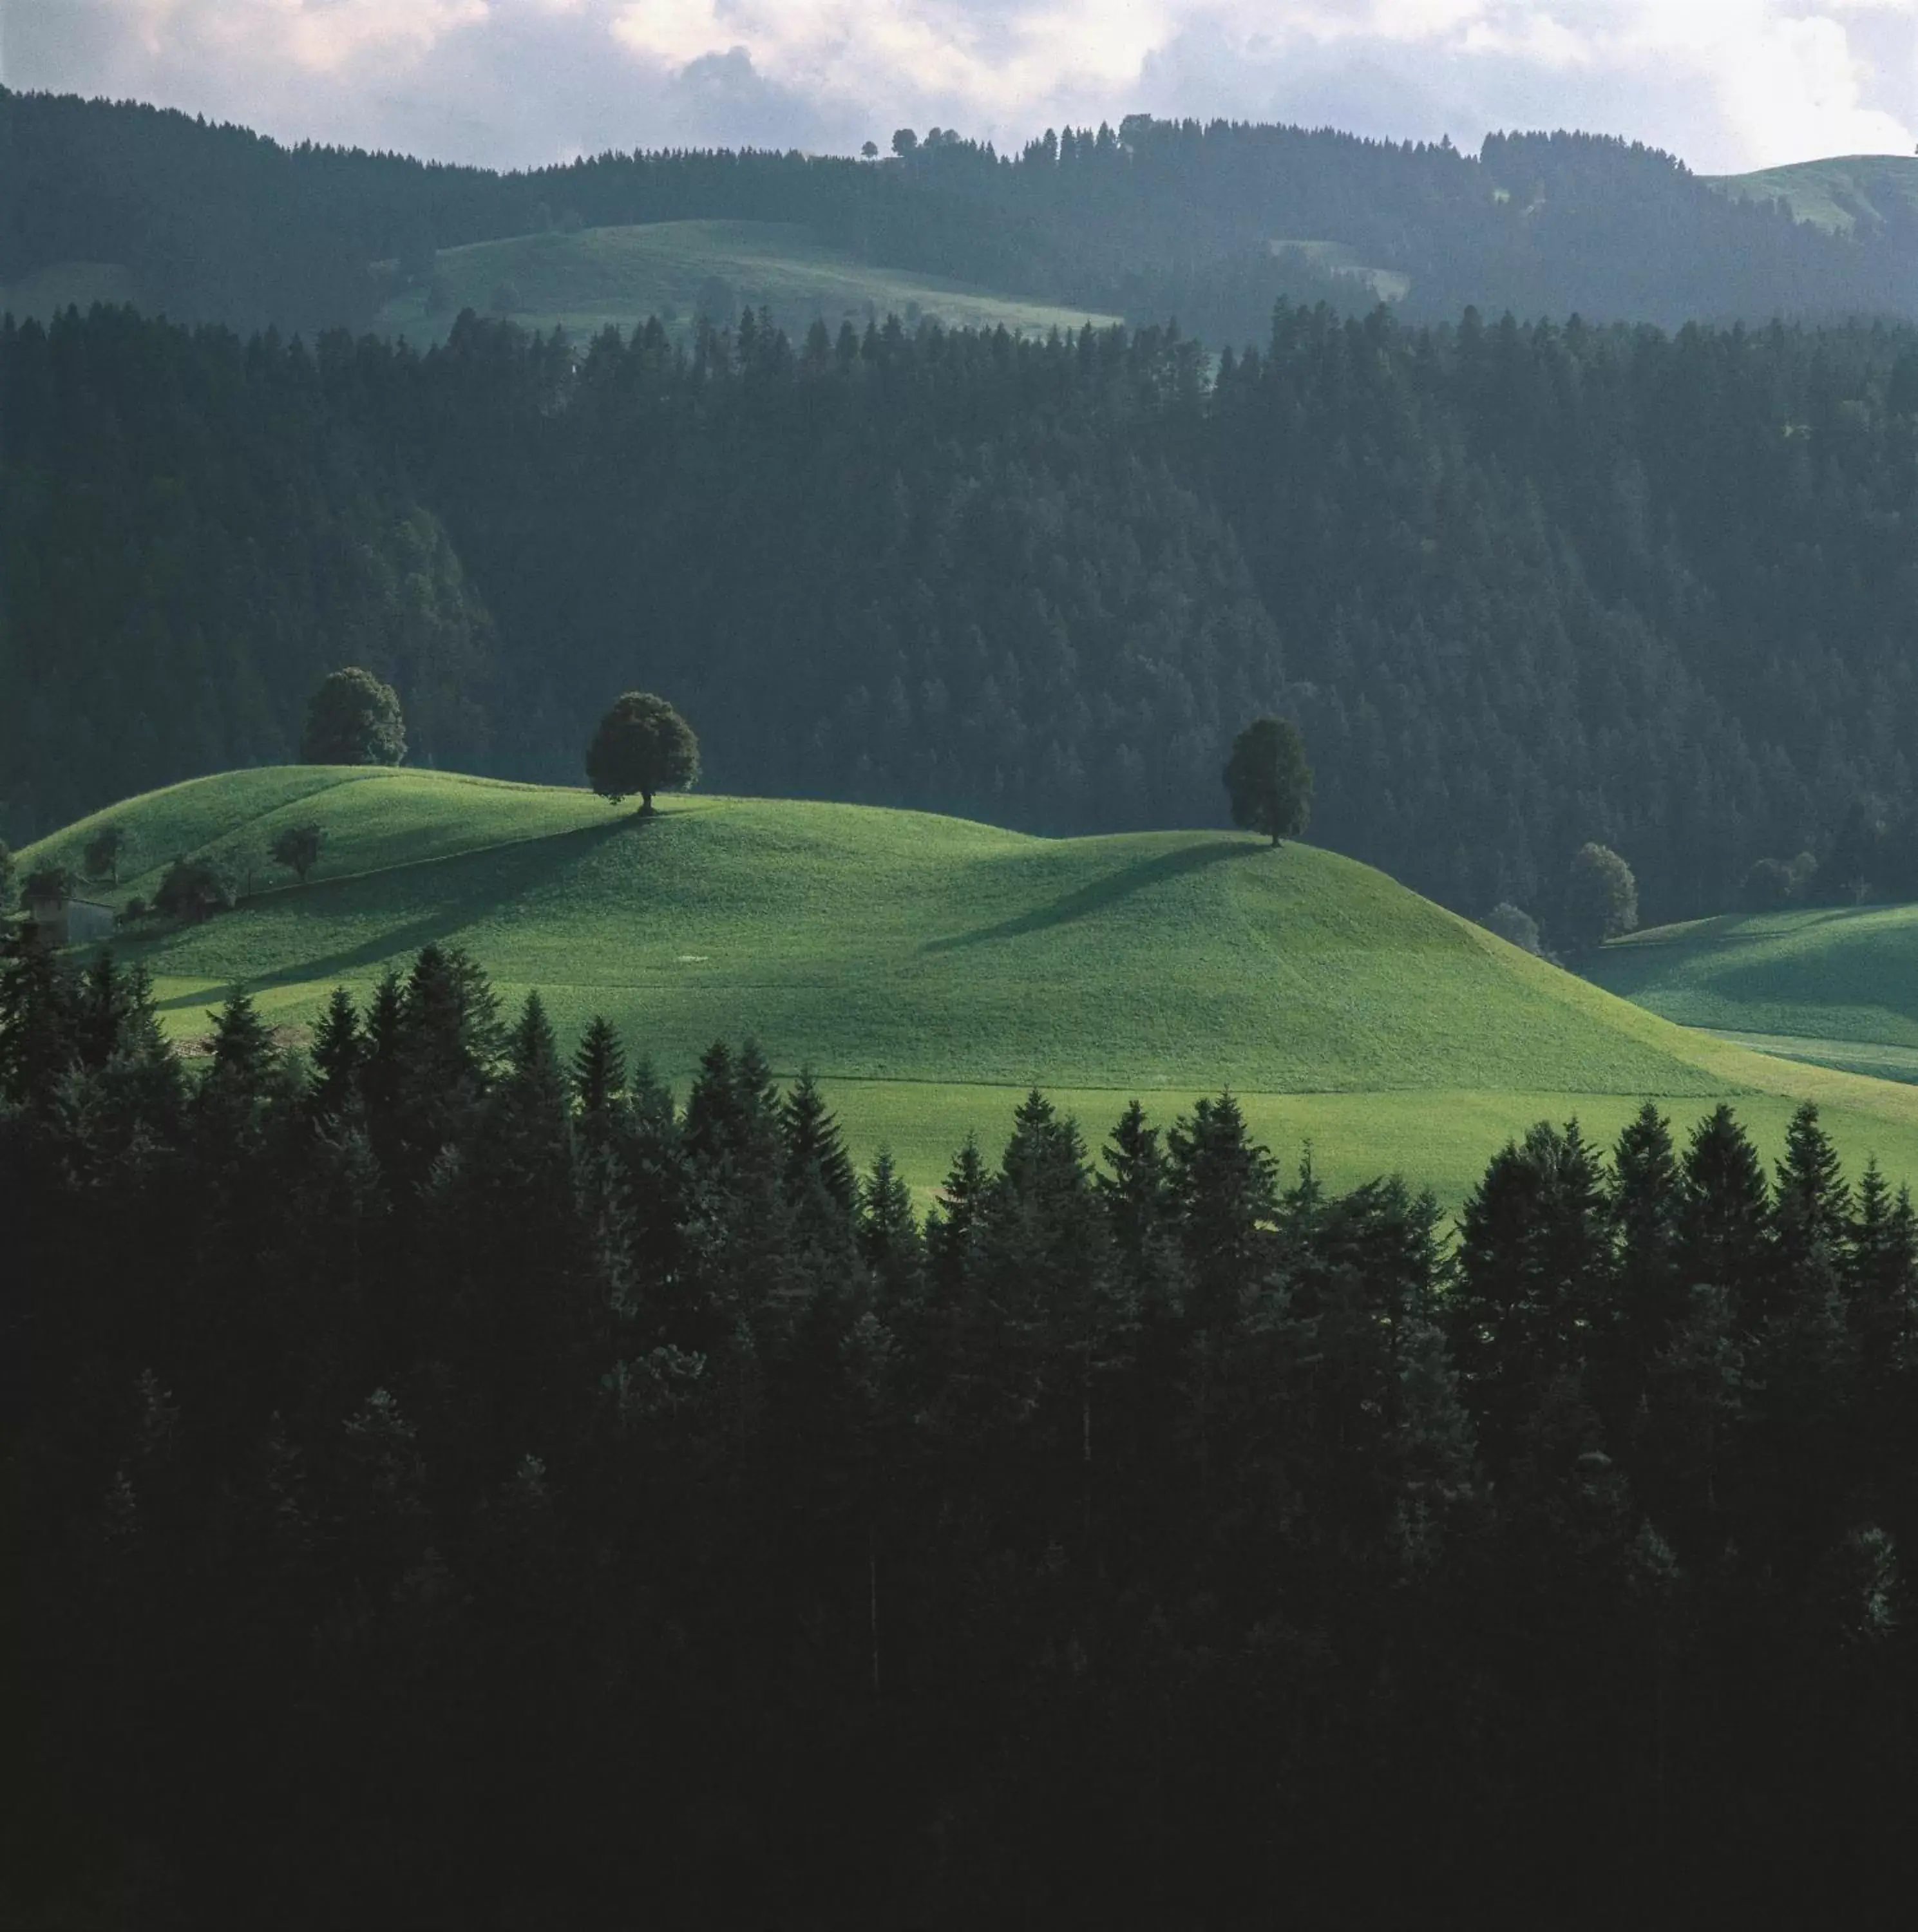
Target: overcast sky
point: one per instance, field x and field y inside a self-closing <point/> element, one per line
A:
<point x="1726" y="84"/>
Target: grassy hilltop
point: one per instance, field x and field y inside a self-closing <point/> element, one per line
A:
<point x="599" y="277"/>
<point x="930" y="968"/>
<point x="1836" y="986"/>
<point x="1836" y="194"/>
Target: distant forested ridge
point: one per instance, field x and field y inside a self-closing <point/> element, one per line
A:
<point x="1208" y="222"/>
<point x="450" y="1483"/>
<point x="1523" y="586"/>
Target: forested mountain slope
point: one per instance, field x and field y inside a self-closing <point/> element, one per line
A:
<point x="1522" y="587"/>
<point x="1208" y="222"/>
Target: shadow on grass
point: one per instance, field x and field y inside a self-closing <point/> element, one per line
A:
<point x="464" y="887"/>
<point x="1872" y="969"/>
<point x="1101" y="893"/>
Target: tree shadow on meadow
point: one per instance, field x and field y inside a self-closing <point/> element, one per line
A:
<point x="463" y="889"/>
<point x="1123" y="883"/>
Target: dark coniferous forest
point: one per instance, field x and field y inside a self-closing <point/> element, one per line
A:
<point x="1524" y="587"/>
<point x="458" y="1487"/>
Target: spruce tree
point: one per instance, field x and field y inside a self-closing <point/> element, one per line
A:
<point x="1134" y="1185"/>
<point x="339" y="1050"/>
<point x="814" y="1150"/>
<point x="1643" y="1205"/>
<point x="599" y="1070"/>
<point x="1724" y="1220"/>
<point x="1811" y="1204"/>
<point x="1225" y="1195"/>
<point x="952" y="1223"/>
<point x="889" y="1236"/>
<point x="241" y="1050"/>
<point x="1533" y="1275"/>
<point x="1881" y="1283"/>
<point x="385" y="1032"/>
<point x="821" y="1188"/>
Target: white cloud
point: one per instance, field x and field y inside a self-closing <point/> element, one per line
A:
<point x="1725" y="83"/>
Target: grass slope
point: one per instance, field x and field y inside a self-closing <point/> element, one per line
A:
<point x="602" y="277"/>
<point x="1835" y="193"/>
<point x="930" y="968"/>
<point x="1836" y="986"/>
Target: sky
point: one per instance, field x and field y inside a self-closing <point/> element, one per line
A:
<point x="1727" y="84"/>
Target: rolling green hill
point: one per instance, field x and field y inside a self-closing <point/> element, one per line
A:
<point x="600" y="277"/>
<point x="930" y="968"/>
<point x="1835" y="985"/>
<point x="1837" y="193"/>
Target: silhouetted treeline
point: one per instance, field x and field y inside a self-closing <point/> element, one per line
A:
<point x="450" y="1483"/>
<point x="1522" y="587"/>
<point x="1155" y="218"/>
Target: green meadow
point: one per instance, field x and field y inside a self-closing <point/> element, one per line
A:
<point x="1835" y="986"/>
<point x="596" y="278"/>
<point x="930" y="970"/>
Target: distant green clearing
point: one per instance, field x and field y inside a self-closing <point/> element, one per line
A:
<point x="48" y="291"/>
<point x="1336" y="258"/>
<point x="930" y="969"/>
<point x="1833" y="193"/>
<point x="601" y="277"/>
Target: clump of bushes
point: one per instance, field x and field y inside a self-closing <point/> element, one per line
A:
<point x="1516" y="926"/>
<point x="297" y="847"/>
<point x="1773" y="883"/>
<point x="193" y="889"/>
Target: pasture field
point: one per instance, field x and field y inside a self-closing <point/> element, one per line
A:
<point x="601" y="277"/>
<point x="1834" y="192"/>
<point x="930" y="969"/>
<point x="1836" y="984"/>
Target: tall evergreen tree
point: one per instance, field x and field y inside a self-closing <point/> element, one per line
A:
<point x="1225" y="1191"/>
<point x="816" y="1153"/>
<point x="339" y="1051"/>
<point x="1644" y="1205"/>
<point x="1724" y="1223"/>
<point x="599" y="1070"/>
<point x="1533" y="1268"/>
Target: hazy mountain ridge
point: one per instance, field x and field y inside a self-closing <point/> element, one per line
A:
<point x="1155" y="219"/>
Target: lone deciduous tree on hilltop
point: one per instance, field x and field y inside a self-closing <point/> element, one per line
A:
<point x="642" y="746"/>
<point x="353" y="719"/>
<point x="1267" y="779"/>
